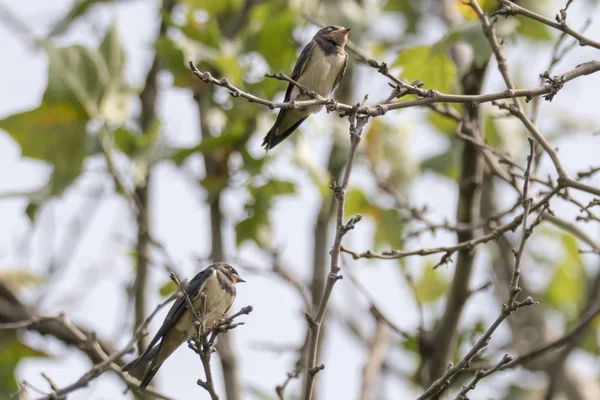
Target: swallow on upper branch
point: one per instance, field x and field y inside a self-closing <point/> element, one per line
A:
<point x="320" y="68"/>
<point x="218" y="283"/>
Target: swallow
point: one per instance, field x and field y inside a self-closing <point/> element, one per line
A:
<point x="320" y="67"/>
<point x="218" y="283"/>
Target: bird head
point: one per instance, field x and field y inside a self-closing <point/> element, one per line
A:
<point x="335" y="34"/>
<point x="229" y="272"/>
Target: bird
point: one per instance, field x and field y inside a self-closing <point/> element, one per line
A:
<point x="218" y="282"/>
<point x="320" y="67"/>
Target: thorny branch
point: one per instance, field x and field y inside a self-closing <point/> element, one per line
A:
<point x="509" y="8"/>
<point x="427" y="97"/>
<point x="507" y="309"/>
<point x="439" y="101"/>
<point x="90" y="342"/>
<point x="204" y="342"/>
<point x="357" y="123"/>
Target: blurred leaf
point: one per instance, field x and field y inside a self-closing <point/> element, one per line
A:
<point x="13" y="351"/>
<point x="256" y="226"/>
<point x="76" y="76"/>
<point x="532" y="29"/>
<point x="134" y="144"/>
<point x="31" y="210"/>
<point x="53" y="133"/>
<point x="89" y="80"/>
<point x="116" y="99"/>
<point x="589" y="342"/>
<point x="168" y="288"/>
<point x="565" y="290"/>
<point x="388" y="229"/>
<point x="411" y="14"/>
<point x="207" y="33"/>
<point x="434" y="69"/>
<point x="173" y="60"/>
<point x="275" y="22"/>
<point x="356" y="202"/>
<point x="213" y="7"/>
<point x="229" y="67"/>
<point x="444" y="125"/>
<point x="470" y="33"/>
<point x="410" y="345"/>
<point x="78" y="10"/>
<point x="491" y="133"/>
<point x="387" y="153"/>
<point x="467" y="11"/>
<point x="17" y="279"/>
<point x="208" y="146"/>
<point x="432" y="285"/>
<point x="113" y="53"/>
<point x="446" y="163"/>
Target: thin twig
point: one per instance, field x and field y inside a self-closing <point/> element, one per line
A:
<point x="357" y="123"/>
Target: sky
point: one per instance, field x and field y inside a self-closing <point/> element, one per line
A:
<point x="90" y="286"/>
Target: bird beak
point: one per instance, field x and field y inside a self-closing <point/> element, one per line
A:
<point x="346" y="30"/>
<point x="239" y="280"/>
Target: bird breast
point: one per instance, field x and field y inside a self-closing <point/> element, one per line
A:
<point x="217" y="300"/>
<point x="319" y="75"/>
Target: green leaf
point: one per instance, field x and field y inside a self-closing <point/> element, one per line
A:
<point x="90" y="80"/>
<point x="443" y="124"/>
<point x="116" y="98"/>
<point x="134" y="144"/>
<point x="213" y="7"/>
<point x="492" y="132"/>
<point x="229" y="67"/>
<point x="533" y="30"/>
<point x="113" y="53"/>
<point x="78" y="10"/>
<point x="208" y="33"/>
<point x="274" y="38"/>
<point x="446" y="163"/>
<point x="388" y="229"/>
<point x="207" y="146"/>
<point x="470" y="33"/>
<point x="257" y="225"/>
<point x="432" y="285"/>
<point x="173" y="60"/>
<point x="589" y="342"/>
<point x="18" y="279"/>
<point x="77" y="76"/>
<point x="53" y="133"/>
<point x="411" y="13"/>
<point x="565" y="290"/>
<point x="13" y="351"/>
<point x="436" y="70"/>
<point x="356" y="202"/>
<point x="168" y="288"/>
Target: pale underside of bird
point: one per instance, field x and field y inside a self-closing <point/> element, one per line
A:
<point x="217" y="283"/>
<point x="319" y="68"/>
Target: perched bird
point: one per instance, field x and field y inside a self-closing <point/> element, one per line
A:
<point x="218" y="283"/>
<point x="320" y="68"/>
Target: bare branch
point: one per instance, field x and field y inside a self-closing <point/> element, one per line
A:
<point x="509" y="8"/>
<point x="357" y="123"/>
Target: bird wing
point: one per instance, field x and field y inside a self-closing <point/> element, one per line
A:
<point x="338" y="78"/>
<point x="300" y="66"/>
<point x="193" y="290"/>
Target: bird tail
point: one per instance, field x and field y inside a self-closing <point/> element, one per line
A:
<point x="273" y="138"/>
<point x="138" y="366"/>
<point x="149" y="375"/>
